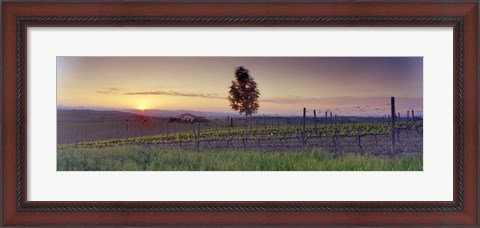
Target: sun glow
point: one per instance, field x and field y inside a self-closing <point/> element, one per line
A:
<point x="141" y="107"/>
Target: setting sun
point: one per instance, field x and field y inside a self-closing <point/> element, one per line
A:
<point x="141" y="108"/>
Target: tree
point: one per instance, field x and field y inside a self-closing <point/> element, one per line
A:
<point x="244" y="94"/>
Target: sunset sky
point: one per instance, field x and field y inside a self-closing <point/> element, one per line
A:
<point x="346" y="85"/>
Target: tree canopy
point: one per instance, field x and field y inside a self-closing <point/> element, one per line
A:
<point x="244" y="94"/>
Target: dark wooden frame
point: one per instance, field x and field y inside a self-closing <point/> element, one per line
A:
<point x="462" y="16"/>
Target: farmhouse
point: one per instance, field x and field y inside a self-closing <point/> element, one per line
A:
<point x="187" y="117"/>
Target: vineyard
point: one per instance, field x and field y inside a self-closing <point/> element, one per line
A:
<point x="335" y="138"/>
<point x="131" y="142"/>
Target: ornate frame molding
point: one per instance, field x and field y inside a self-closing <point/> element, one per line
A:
<point x="22" y="206"/>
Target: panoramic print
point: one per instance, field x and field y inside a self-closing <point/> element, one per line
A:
<point x="239" y="113"/>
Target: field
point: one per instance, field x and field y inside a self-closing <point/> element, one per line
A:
<point x="140" y="158"/>
<point x="134" y="142"/>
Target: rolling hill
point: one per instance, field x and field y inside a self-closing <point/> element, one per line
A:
<point x="90" y="116"/>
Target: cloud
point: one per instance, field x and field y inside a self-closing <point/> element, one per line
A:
<point x="176" y="93"/>
<point x="110" y="90"/>
<point x="158" y="92"/>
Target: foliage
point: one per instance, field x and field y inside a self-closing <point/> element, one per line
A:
<point x="255" y="133"/>
<point x="243" y="95"/>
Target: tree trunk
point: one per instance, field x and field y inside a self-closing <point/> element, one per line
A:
<point x="246" y="125"/>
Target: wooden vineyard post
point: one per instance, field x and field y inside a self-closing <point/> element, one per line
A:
<point x="194" y="133"/>
<point x="303" y="132"/>
<point x="228" y="124"/>
<point x="126" y="133"/>
<point x="315" y="121"/>
<point x="413" y="116"/>
<point x="76" y="139"/>
<point x="228" y="127"/>
<point x="393" y="123"/>
<point x="198" y="136"/>
<point x="408" y="115"/>
<point x="331" y="119"/>
<point x="325" y="123"/>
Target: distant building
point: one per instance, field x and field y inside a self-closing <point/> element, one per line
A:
<point x="187" y="117"/>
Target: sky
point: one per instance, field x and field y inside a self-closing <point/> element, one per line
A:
<point x="345" y="85"/>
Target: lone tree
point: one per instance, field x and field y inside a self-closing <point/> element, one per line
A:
<point x="244" y="94"/>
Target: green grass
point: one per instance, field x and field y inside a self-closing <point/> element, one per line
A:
<point x="136" y="158"/>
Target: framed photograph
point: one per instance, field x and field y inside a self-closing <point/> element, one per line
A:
<point x="240" y="113"/>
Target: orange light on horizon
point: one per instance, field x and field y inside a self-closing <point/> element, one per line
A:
<point x="141" y="107"/>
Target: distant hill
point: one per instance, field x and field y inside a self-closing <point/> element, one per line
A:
<point x="83" y="116"/>
<point x="176" y="113"/>
<point x="153" y="112"/>
<point x="91" y="108"/>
